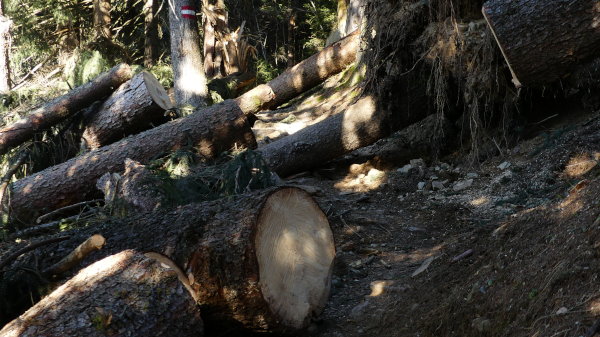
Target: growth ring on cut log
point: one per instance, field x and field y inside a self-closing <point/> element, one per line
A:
<point x="265" y="263"/>
<point x="295" y="251"/>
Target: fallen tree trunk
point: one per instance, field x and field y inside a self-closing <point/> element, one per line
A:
<point x="212" y="131"/>
<point x="62" y="107"/>
<point x="542" y="40"/>
<point x="303" y="76"/>
<point x="362" y="124"/>
<point x="260" y="261"/>
<point x="136" y="106"/>
<point x="127" y="294"/>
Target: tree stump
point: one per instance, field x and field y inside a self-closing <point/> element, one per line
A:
<point x="136" y="106"/>
<point x="127" y="294"/>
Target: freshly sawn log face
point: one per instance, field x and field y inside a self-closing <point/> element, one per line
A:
<point x="542" y="40"/>
<point x="127" y="294"/>
<point x="63" y="107"/>
<point x="265" y="265"/>
<point x="136" y="106"/>
<point x="212" y="131"/>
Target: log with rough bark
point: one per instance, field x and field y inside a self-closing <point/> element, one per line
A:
<point x="63" y="107"/>
<point x="303" y="76"/>
<point x="362" y="124"/>
<point x="137" y="105"/>
<point x="260" y="261"/>
<point x="543" y="40"/>
<point x="211" y="131"/>
<point x="127" y="294"/>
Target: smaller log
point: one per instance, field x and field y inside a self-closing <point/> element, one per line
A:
<point x="62" y="107"/>
<point x="76" y="256"/>
<point x="127" y="294"/>
<point x="137" y="105"/>
<point x="362" y="124"/>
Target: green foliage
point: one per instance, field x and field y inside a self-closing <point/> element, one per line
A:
<point x="84" y="66"/>
<point x="233" y="174"/>
<point x="163" y="73"/>
<point x="321" y="17"/>
<point x="265" y="71"/>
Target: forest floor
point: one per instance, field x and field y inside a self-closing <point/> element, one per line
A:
<point x="443" y="248"/>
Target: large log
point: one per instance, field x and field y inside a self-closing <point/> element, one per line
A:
<point x="212" y="131"/>
<point x="260" y="261"/>
<point x="543" y="40"/>
<point x="136" y="106"/>
<point x="62" y="107"/>
<point x="127" y="294"/>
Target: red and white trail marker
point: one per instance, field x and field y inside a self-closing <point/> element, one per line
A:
<point x="188" y="12"/>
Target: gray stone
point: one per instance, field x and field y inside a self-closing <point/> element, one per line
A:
<point x="462" y="184"/>
<point x="472" y="175"/>
<point x="421" y="185"/>
<point x="504" y="165"/>
<point x="418" y="162"/>
<point x="405" y="169"/>
<point x="437" y="185"/>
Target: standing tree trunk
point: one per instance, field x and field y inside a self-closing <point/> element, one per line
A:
<point x="150" y="32"/>
<point x="126" y="294"/>
<point x="188" y="68"/>
<point x="5" y="42"/>
<point x="215" y="24"/>
<point x="543" y="40"/>
<point x="102" y="19"/>
<point x="137" y="105"/>
<point x="62" y="107"/>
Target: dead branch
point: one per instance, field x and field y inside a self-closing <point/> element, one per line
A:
<point x="28" y="248"/>
<point x="96" y="242"/>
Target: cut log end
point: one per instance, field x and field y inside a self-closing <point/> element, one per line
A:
<point x="295" y="252"/>
<point x="157" y="92"/>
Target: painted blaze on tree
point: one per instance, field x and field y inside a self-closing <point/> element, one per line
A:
<point x="190" y="80"/>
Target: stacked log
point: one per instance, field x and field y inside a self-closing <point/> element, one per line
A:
<point x="137" y="105"/>
<point x="260" y="261"/>
<point x="63" y="107"/>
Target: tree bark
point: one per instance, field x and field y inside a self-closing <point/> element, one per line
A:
<point x="543" y="40"/>
<point x="259" y="261"/>
<point x="102" y="19"/>
<point x="215" y="23"/>
<point x="5" y="43"/>
<point x="188" y="72"/>
<point x="62" y="107"/>
<point x="212" y="131"/>
<point x="150" y="32"/>
<point x="127" y="294"/>
<point x="137" y="105"/>
<point x="363" y="123"/>
<point x="303" y="76"/>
